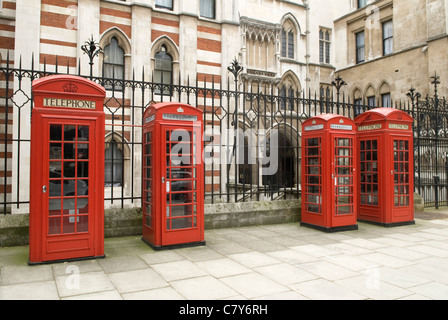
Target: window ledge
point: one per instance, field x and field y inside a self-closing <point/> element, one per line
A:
<point x="290" y="60"/>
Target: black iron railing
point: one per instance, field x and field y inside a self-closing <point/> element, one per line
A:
<point x="237" y="166"/>
<point x="431" y="146"/>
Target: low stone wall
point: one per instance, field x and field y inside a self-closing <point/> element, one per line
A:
<point x="122" y="222"/>
<point x="128" y="222"/>
<point x="14" y="229"/>
<point x="234" y="215"/>
<point x="419" y="203"/>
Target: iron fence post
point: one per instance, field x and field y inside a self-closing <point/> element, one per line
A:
<point x="414" y="96"/>
<point x="446" y="179"/>
<point x="338" y="83"/>
<point x="435" y="81"/>
<point x="235" y="68"/>
<point x="92" y="49"/>
<point x="436" y="187"/>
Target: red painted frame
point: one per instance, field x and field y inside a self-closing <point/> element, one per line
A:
<point x="386" y="125"/>
<point x="326" y="130"/>
<point x="43" y="247"/>
<point x="154" y="183"/>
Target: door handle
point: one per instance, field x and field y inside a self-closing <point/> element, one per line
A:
<point x="44" y="189"/>
<point x="163" y="179"/>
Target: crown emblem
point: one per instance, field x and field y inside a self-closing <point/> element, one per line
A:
<point x="70" y="87"/>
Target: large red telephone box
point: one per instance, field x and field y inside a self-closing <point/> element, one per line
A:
<point x="328" y="173"/>
<point x="67" y="170"/>
<point x="173" y="176"/>
<point x="385" y="140"/>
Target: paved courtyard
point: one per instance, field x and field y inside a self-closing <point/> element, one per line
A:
<point x="275" y="262"/>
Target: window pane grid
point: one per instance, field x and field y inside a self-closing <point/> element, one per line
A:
<point x="147" y="180"/>
<point x="166" y="4"/>
<point x="163" y="72"/>
<point x="287" y="44"/>
<point x="313" y="171"/>
<point x="360" y="47"/>
<point x="324" y="46"/>
<point x="284" y="43"/>
<point x="369" y="172"/>
<point x="113" y="63"/>
<point x="68" y="179"/>
<point x="207" y="8"/>
<point x="401" y="173"/>
<point x="388" y="40"/>
<point x="290" y="45"/>
<point x="344" y="176"/>
<point x="181" y="181"/>
<point x="113" y="169"/>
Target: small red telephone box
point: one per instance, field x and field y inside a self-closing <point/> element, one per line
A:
<point x="67" y="170"/>
<point x="173" y="176"/>
<point x="328" y="173"/>
<point x="385" y="140"/>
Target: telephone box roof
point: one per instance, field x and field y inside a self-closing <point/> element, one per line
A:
<point x="379" y="114"/>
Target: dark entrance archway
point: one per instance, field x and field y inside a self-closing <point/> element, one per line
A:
<point x="285" y="177"/>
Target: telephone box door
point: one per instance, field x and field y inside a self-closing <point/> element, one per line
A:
<point x="371" y="164"/>
<point x="344" y="177"/>
<point x="68" y="165"/>
<point x="149" y="195"/>
<point x="314" y="184"/>
<point x="182" y="222"/>
<point x="402" y="178"/>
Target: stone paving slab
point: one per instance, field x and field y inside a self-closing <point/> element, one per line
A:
<point x="273" y="262"/>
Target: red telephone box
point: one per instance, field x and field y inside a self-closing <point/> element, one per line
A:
<point x="173" y="176"/>
<point x="67" y="170"/>
<point x="385" y="140"/>
<point x="328" y="173"/>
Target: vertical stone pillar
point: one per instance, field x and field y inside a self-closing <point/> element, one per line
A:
<point x="27" y="49"/>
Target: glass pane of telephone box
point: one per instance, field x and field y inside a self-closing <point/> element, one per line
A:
<point x="313" y="175"/>
<point x="344" y="175"/>
<point x="369" y="172"/>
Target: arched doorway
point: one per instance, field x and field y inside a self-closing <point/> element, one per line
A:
<point x="286" y="173"/>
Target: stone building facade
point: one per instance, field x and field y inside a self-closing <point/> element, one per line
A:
<point x="400" y="44"/>
<point x="380" y="48"/>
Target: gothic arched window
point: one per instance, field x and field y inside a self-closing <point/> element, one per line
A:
<point x="163" y="71"/>
<point x="113" y="63"/>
